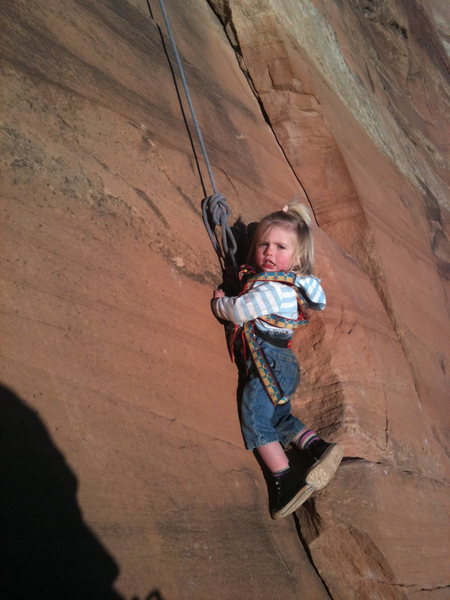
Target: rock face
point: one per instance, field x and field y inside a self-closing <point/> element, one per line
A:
<point x="125" y="472"/>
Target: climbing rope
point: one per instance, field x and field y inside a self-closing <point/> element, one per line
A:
<point x="215" y="209"/>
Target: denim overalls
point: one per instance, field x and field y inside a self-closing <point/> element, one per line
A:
<point x="261" y="421"/>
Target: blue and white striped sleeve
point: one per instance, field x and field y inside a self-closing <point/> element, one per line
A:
<point x="261" y="300"/>
<point x="313" y="291"/>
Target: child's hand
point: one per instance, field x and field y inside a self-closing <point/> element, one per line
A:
<point x="218" y="294"/>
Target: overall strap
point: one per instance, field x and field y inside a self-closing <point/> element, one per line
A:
<point x="265" y="373"/>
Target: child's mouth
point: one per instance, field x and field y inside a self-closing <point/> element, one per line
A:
<point x="268" y="264"/>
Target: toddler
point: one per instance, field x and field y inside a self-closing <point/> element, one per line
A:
<point x="272" y="304"/>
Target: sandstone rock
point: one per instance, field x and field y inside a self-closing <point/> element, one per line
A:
<point x="114" y="360"/>
<point x="105" y="336"/>
<point x="370" y="530"/>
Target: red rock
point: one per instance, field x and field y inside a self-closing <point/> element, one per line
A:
<point x="119" y="369"/>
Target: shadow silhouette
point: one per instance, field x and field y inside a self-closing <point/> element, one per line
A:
<point x="48" y="550"/>
<point x="243" y="235"/>
<point x="153" y="595"/>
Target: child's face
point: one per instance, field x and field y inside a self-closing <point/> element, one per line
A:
<point x="274" y="249"/>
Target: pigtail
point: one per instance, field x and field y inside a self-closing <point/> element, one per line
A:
<point x="301" y="211"/>
<point x="305" y="247"/>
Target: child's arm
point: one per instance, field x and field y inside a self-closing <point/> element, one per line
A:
<point x="262" y="300"/>
<point x="312" y="291"/>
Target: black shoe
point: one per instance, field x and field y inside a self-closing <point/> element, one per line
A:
<point x="324" y="460"/>
<point x="291" y="492"/>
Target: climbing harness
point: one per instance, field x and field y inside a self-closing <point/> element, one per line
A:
<point x="215" y="209"/>
<point x="249" y="335"/>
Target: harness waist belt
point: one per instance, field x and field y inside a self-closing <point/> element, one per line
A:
<point x="277" y="341"/>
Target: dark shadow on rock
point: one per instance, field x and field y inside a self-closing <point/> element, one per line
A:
<point x="307" y="518"/>
<point x="153" y="595"/>
<point x="231" y="284"/>
<point x="48" y="551"/>
<point x="308" y="522"/>
<point x="243" y="235"/>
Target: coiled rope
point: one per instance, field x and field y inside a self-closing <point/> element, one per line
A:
<point x="215" y="209"/>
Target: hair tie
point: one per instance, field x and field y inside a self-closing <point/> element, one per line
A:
<point x="285" y="208"/>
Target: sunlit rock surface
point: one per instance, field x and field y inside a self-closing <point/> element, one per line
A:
<point x="116" y="374"/>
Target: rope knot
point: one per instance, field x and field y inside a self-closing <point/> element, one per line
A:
<point x="215" y="211"/>
<point x="218" y="208"/>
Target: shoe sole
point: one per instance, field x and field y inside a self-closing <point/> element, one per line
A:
<point x="302" y="496"/>
<point x="320" y="474"/>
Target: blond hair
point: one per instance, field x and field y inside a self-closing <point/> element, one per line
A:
<point x="295" y="217"/>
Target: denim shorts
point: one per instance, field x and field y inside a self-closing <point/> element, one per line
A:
<point x="261" y="421"/>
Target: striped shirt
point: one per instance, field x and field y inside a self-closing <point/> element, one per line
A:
<point x="268" y="298"/>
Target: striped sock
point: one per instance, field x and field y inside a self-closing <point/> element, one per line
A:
<point x="281" y="473"/>
<point x="306" y="438"/>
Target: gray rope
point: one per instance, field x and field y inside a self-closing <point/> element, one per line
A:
<point x="188" y="95"/>
<point x="215" y="209"/>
